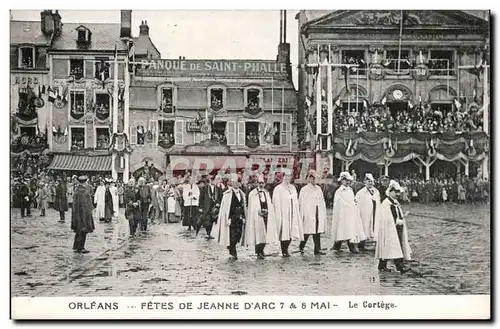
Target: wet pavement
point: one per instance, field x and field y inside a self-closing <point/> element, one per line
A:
<point x="451" y="252"/>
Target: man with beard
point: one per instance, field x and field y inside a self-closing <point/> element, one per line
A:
<point x="210" y="198"/>
<point x="82" y="222"/>
<point x="261" y="224"/>
<point x="190" y="195"/>
<point x="391" y="231"/>
<point x="61" y="200"/>
<point x="145" y="201"/>
<point x="286" y="207"/>
<point x="228" y="228"/>
<point x="313" y="210"/>
<point x="369" y="203"/>
<point x="346" y="224"/>
<point x="108" y="202"/>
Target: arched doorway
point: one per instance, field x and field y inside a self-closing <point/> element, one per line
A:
<point x="397" y="97"/>
<point x="352" y="100"/>
<point x="441" y="98"/>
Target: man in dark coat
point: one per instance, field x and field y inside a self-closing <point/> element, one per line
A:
<point x="61" y="200"/>
<point x="132" y="199"/>
<point x="82" y="222"/>
<point x="145" y="195"/>
<point x="108" y="203"/>
<point x="210" y="198"/>
<point x="25" y="198"/>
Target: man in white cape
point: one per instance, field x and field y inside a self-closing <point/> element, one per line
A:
<point x="99" y="201"/>
<point x="391" y="231"/>
<point x="287" y="210"/>
<point x="346" y="223"/>
<point x="228" y="230"/>
<point x="313" y="210"/>
<point x="260" y="227"/>
<point x="369" y="204"/>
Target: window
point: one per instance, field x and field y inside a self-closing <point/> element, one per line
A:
<point x="27" y="57"/>
<point x="216" y="99"/>
<point x="252" y="134"/>
<point x="102" y="138"/>
<point x="167" y="100"/>
<point x="102" y="105"/>
<point x="141" y="134"/>
<point x="166" y="136"/>
<point x="102" y="68"/>
<point x="280" y="137"/>
<point x="253" y="99"/>
<point x="77" y="104"/>
<point x="76" y="68"/>
<point x="77" y="138"/>
<point x="355" y="57"/>
<point x="28" y="131"/>
<point x="392" y="60"/>
<point x="241" y="133"/>
<point x="231" y="133"/>
<point x="352" y="107"/>
<point x="219" y="132"/>
<point x="179" y="132"/>
<point x="152" y="133"/>
<point x="441" y="62"/>
<point x="82" y="35"/>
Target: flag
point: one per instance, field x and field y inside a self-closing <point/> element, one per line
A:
<point x="337" y="102"/>
<point x="365" y="103"/>
<point x="457" y="104"/>
<point x="345" y="70"/>
<point x="308" y="101"/>
<point x="131" y="51"/>
<point x="52" y="95"/>
<point x="384" y="100"/>
<point x="420" y="100"/>
<point x="116" y="52"/>
<point x="410" y="105"/>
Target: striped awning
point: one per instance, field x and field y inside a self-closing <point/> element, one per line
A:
<point x="81" y="162"/>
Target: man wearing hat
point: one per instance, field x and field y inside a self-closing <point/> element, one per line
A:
<point x="261" y="224"/>
<point x="61" y="199"/>
<point x="346" y="223"/>
<point x="82" y="222"/>
<point x="288" y="218"/>
<point x="109" y="209"/>
<point x="210" y="198"/>
<point x="391" y="231"/>
<point x="25" y="198"/>
<point x="228" y="229"/>
<point x="369" y="203"/>
<point x="145" y="195"/>
<point x="313" y="211"/>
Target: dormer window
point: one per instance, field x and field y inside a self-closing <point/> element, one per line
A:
<point x="83" y="34"/>
<point x="27" y="57"/>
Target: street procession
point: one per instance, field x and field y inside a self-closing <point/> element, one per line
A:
<point x="362" y="146"/>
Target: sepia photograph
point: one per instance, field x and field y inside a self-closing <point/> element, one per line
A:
<point x="250" y="162"/>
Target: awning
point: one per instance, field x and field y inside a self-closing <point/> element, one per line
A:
<point x="81" y="162"/>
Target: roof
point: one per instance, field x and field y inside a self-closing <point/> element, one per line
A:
<point x="81" y="162"/>
<point x="104" y="37"/>
<point x="143" y="45"/>
<point x="27" y="32"/>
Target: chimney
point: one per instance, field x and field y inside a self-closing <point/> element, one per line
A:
<point x="57" y="22"/>
<point x="144" y="28"/>
<point x="284" y="47"/>
<point x="46" y="22"/>
<point x="126" y="24"/>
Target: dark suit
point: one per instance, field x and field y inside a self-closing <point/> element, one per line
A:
<point x="145" y="197"/>
<point x="236" y="216"/>
<point x="210" y="195"/>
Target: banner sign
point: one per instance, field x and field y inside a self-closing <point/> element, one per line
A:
<point x="169" y="67"/>
<point x="193" y="127"/>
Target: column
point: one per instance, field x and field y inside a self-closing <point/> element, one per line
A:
<point x="126" y="109"/>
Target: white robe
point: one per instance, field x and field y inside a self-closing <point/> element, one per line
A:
<point x="310" y="198"/>
<point x="256" y="231"/>
<point x="346" y="223"/>
<point x="388" y="245"/>
<point x="171" y="201"/>
<point x="100" y="193"/>
<point x="287" y="210"/>
<point x="114" y="197"/>
<point x="365" y="203"/>
<point x="220" y="230"/>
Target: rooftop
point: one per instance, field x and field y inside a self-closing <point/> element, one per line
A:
<point x="27" y="32"/>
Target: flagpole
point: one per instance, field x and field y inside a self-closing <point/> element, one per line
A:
<point x="272" y="95"/>
<point x="400" y="40"/>
<point x="114" y="174"/>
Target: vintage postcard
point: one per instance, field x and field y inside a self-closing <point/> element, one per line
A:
<point x="252" y="164"/>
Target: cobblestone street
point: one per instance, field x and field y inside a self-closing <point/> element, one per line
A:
<point x="451" y="252"/>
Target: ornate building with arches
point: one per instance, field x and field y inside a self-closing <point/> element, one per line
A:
<point x="354" y="64"/>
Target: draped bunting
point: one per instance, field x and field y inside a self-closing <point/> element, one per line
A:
<point x="372" y="147"/>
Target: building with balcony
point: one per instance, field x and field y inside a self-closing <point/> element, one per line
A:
<point x="85" y="80"/>
<point x="382" y="89"/>
<point x="183" y="111"/>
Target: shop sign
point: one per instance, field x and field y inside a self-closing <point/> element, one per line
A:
<point x="193" y="127"/>
<point x="23" y="80"/>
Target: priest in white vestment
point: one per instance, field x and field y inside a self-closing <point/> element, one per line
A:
<point x="313" y="211"/>
<point x="99" y="201"/>
<point x="346" y="223"/>
<point x="391" y="231"/>
<point x="261" y="223"/>
<point x="369" y="204"/>
<point x="287" y="210"/>
<point x="114" y="195"/>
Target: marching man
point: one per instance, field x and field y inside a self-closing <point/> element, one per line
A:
<point x="228" y="229"/>
<point x="287" y="211"/>
<point x="261" y="225"/>
<point x="391" y="231"/>
<point x="313" y="210"/>
<point x="346" y="224"/>
<point x="369" y="203"/>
